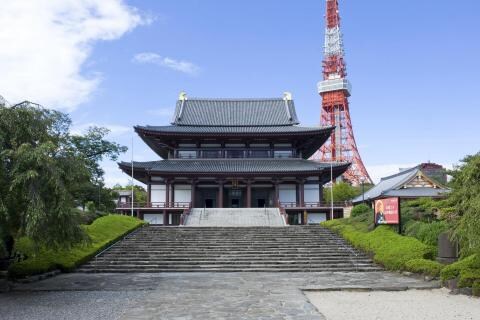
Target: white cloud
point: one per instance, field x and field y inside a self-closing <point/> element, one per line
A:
<point x="113" y="175"/>
<point x="177" y="65"/>
<point x="115" y="130"/>
<point x="44" y="44"/>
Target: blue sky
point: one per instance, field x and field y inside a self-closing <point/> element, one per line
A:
<point x="414" y="66"/>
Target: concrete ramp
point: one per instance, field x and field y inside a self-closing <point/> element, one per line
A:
<point x="235" y="217"/>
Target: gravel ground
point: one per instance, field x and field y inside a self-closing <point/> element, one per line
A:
<point x="66" y="305"/>
<point x="379" y="305"/>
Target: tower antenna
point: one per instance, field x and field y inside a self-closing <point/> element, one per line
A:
<point x="335" y="90"/>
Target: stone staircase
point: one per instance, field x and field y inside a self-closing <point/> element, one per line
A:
<point x="231" y="249"/>
<point x="235" y="217"/>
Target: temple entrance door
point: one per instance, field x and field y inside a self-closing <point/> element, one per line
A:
<point x="209" y="203"/>
<point x="261" y="203"/>
<point x="262" y="197"/>
<point x="205" y="198"/>
<point x="234" y="198"/>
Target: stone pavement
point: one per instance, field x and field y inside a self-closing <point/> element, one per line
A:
<point x="214" y="295"/>
<point x="235" y="217"/>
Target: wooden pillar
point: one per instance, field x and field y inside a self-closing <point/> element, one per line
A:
<point x="301" y="192"/>
<point x="192" y="199"/>
<point x="149" y="192"/>
<point x="276" y="196"/>
<point x="320" y="190"/>
<point x="249" y="193"/>
<point x="165" y="217"/>
<point x="167" y="193"/>
<point x="220" y="194"/>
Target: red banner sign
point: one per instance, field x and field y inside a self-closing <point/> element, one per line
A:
<point x="387" y="211"/>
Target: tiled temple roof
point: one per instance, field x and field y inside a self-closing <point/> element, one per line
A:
<point x="394" y="186"/>
<point x="234" y="166"/>
<point x="235" y="112"/>
<point x="233" y="130"/>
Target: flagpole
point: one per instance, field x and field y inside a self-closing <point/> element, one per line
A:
<point x="331" y="189"/>
<point x="132" y="179"/>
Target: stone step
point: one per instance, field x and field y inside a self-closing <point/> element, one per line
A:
<point x="229" y="257"/>
<point x="249" y="269"/>
<point x="231" y="265"/>
<point x="233" y="254"/>
<point x="227" y="249"/>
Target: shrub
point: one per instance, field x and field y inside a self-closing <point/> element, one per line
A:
<point x="453" y="271"/>
<point x="468" y="277"/>
<point x="422" y="209"/>
<point x="91" y="206"/>
<point x="424" y="266"/>
<point x="361" y="209"/>
<point x="426" y="232"/>
<point x="390" y="249"/>
<point x="102" y="232"/>
<point x="476" y="288"/>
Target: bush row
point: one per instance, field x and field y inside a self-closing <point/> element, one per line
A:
<point x="393" y="251"/>
<point x="102" y="232"/>
<point x="467" y="271"/>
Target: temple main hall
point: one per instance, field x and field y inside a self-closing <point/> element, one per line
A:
<point x="234" y="153"/>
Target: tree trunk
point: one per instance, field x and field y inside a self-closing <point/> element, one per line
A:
<point x="9" y="243"/>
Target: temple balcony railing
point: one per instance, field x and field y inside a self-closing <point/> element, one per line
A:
<point x="236" y="153"/>
<point x="154" y="205"/>
<point x="321" y="204"/>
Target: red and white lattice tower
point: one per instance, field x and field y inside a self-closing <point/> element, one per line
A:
<point x="335" y="90"/>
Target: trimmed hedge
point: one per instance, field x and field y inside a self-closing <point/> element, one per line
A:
<point x="467" y="271"/>
<point x="102" y="232"/>
<point x="453" y="271"/>
<point x="468" y="277"/>
<point x="424" y="266"/>
<point x="390" y="249"/>
<point x="476" y="288"/>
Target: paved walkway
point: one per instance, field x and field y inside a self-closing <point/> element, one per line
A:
<point x="187" y="295"/>
<point x="235" y="217"/>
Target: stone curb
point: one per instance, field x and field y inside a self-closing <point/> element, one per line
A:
<point x="370" y="289"/>
<point x="39" y="277"/>
<point x="4" y="285"/>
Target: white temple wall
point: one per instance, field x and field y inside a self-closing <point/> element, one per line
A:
<point x="311" y="193"/>
<point x="287" y="193"/>
<point x="183" y="193"/>
<point x="158" y="192"/>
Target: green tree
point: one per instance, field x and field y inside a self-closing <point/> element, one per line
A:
<point x="342" y="191"/>
<point x="465" y="198"/>
<point x="94" y="148"/>
<point x="139" y="193"/>
<point x="38" y="168"/>
<point x="102" y="197"/>
<point x="41" y="169"/>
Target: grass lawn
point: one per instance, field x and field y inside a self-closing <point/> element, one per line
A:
<point x="102" y="232"/>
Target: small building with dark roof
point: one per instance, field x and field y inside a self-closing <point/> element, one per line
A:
<point x="234" y="153"/>
<point x="412" y="183"/>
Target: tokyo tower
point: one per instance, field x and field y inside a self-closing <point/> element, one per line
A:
<point x="335" y="90"/>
